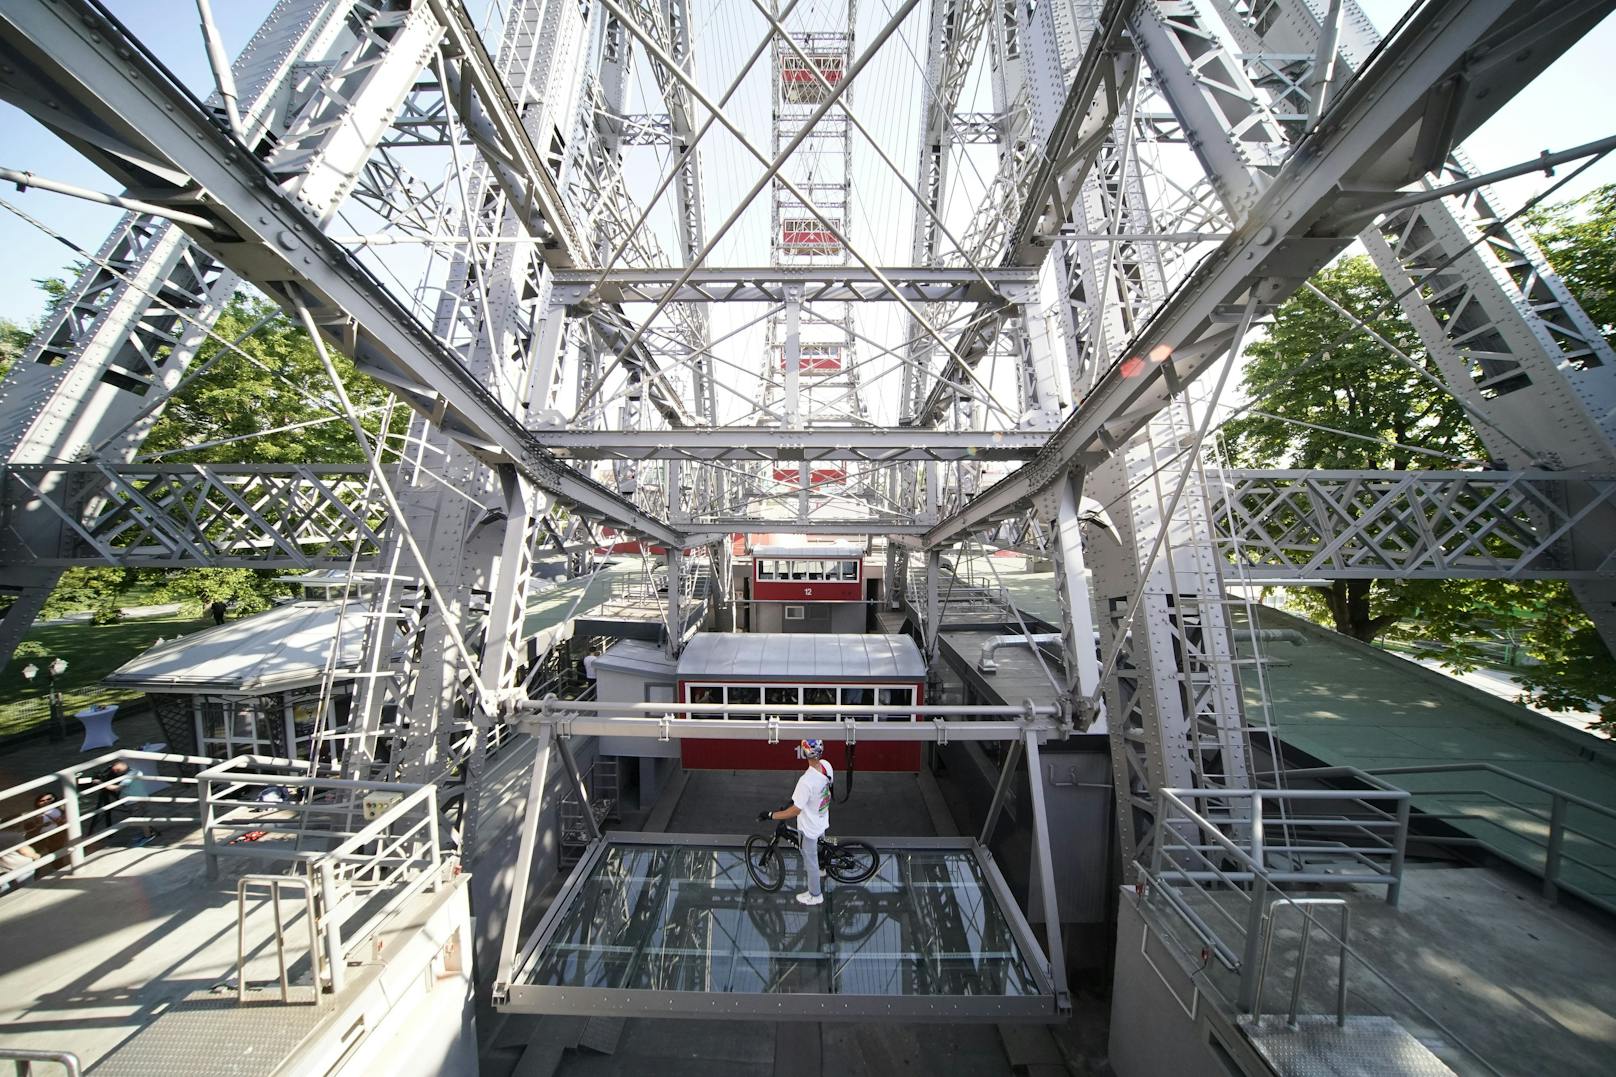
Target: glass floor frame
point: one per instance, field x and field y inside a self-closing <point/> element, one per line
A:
<point x="671" y="925"/>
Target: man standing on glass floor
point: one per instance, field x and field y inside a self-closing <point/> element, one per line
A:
<point x="810" y="806"/>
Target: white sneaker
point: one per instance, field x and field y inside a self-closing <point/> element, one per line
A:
<point x="811" y="899"/>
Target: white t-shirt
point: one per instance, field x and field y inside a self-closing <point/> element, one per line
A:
<point x="812" y="798"/>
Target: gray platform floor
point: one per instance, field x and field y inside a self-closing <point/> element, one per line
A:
<point x="1497" y="970"/>
<point x="90" y="959"/>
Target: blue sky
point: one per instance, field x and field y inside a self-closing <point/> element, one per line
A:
<point x="1554" y="113"/>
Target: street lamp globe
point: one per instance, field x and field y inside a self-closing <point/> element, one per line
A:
<point x="30" y="671"/>
<point x="58" y="667"/>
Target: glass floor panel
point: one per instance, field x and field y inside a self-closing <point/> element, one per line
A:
<point x="652" y="926"/>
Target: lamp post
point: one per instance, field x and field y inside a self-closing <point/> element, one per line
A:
<point x="57" y="667"/>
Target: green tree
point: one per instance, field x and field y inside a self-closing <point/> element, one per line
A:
<point x="14" y="340"/>
<point x="1372" y="410"/>
<point x="1579" y="238"/>
<point x="280" y="386"/>
<point x="97" y="591"/>
<point x="1367" y="410"/>
<point x="243" y="589"/>
<point x="271" y="380"/>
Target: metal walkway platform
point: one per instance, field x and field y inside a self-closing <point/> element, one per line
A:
<point x="671" y="925"/>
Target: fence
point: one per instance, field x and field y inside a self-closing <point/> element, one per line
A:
<point x="1210" y="872"/>
<point x="64" y="830"/>
<point x="356" y="876"/>
<point x="1551" y="817"/>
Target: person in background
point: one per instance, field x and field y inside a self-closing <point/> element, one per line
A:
<point x="21" y="857"/>
<point x="46" y="833"/>
<point x="217" y="608"/>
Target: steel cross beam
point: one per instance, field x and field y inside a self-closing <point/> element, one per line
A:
<point x="119" y="107"/>
<point x="1411" y="524"/>
<point x="169" y="515"/>
<point x="874" y="444"/>
<point x="1450" y="67"/>
<point x="828" y="284"/>
<point x="494" y="124"/>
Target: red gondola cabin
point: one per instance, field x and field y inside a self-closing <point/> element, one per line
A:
<point x="787" y="671"/>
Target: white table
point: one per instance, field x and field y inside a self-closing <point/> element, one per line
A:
<point x="98" y="726"/>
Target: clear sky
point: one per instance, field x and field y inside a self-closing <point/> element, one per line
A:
<point x="1561" y="110"/>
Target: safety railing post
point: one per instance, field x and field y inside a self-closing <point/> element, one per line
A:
<point x="72" y="817"/>
<point x="1399" y="851"/>
<point x="1551" y="858"/>
<point x="1257" y="855"/>
<point x="432" y="837"/>
<point x="1251" y="952"/>
<point x="1046" y="871"/>
<point x="332" y="929"/>
<point x="204" y="817"/>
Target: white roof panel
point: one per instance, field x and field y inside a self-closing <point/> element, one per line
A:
<point x="829" y="550"/>
<point x="282" y="648"/>
<point x="635" y="656"/>
<point x="800" y="655"/>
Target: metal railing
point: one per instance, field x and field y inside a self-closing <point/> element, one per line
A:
<point x="358" y="876"/>
<point x="1213" y="878"/>
<point x="25" y="1059"/>
<point x="91" y="806"/>
<point x="1339" y="836"/>
<point x="1552" y="818"/>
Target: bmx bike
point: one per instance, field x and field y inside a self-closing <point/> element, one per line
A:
<point x="845" y="861"/>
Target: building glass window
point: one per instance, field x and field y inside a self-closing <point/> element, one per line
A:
<point x="231" y="726"/>
<point x="778" y="695"/>
<point x="858" y="697"/>
<point x="749" y="695"/>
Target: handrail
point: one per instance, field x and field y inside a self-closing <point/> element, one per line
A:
<point x="1254" y="886"/>
<point x="78" y="829"/>
<point x="274" y="883"/>
<point x="1301" y="955"/>
<point x="66" y="1059"/>
<point x="358" y="883"/>
<point x="1493" y="768"/>
<point x="1554" y="854"/>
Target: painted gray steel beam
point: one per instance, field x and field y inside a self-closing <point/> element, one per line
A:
<point x="829" y="284"/>
<point x="771" y="443"/>
<point x="1449" y="68"/>
<point x="1414" y="524"/>
<point x="302" y="516"/>
<point x="121" y="109"/>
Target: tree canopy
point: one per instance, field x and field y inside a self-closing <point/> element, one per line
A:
<point x="265" y="400"/>
<point x="1367" y="408"/>
<point x="271" y="381"/>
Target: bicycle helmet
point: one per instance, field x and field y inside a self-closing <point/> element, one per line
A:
<point x="812" y="749"/>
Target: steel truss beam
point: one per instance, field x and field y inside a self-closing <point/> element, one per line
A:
<point x="131" y="118"/>
<point x="301" y="516"/>
<point x="768" y="284"/>
<point x="872" y="444"/>
<point x="1442" y="75"/>
<point x="1412" y="524"/>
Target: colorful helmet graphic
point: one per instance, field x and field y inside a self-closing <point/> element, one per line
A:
<point x="813" y="749"/>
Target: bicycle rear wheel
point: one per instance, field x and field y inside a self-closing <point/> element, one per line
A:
<point x="764" y="862"/>
<point x="851" y="861"/>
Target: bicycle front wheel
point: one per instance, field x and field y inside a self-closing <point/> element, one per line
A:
<point x="851" y="861"/>
<point x="764" y="863"/>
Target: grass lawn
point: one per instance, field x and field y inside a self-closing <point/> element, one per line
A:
<point x="91" y="652"/>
